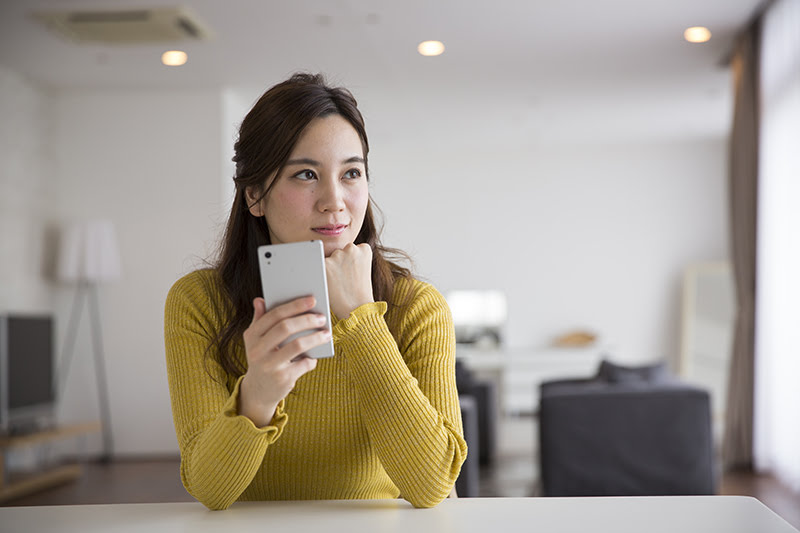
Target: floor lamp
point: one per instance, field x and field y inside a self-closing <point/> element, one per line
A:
<point x="88" y="256"/>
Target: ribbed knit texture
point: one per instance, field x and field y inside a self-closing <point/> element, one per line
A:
<point x="380" y="419"/>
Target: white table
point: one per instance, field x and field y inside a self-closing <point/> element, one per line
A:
<point x="675" y="514"/>
<point x="517" y="372"/>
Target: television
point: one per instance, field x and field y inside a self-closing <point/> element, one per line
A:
<point x="27" y="372"/>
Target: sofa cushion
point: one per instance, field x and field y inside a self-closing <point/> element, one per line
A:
<point x="614" y="373"/>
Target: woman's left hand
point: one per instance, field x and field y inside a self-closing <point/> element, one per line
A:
<point x="349" y="272"/>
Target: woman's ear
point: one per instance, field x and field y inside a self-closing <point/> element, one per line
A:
<point x="254" y="200"/>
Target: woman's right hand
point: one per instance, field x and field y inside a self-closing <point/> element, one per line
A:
<point x="272" y="369"/>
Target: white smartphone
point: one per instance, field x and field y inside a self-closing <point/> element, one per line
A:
<point x="293" y="270"/>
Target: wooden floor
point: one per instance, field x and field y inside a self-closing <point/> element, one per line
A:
<point x="515" y="474"/>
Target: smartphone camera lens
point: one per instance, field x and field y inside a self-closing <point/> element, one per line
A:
<point x="267" y="254"/>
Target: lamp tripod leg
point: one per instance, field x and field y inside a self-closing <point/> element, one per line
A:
<point x="68" y="351"/>
<point x="100" y="375"/>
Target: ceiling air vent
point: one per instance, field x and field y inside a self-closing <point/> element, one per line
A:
<point x="129" y="26"/>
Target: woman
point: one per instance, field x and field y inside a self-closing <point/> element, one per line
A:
<point x="259" y="421"/>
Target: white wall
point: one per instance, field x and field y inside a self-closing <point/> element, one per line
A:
<point x="593" y="236"/>
<point x="579" y="234"/>
<point x="27" y="198"/>
<point x="586" y="220"/>
<point x="150" y="162"/>
<point x="235" y="106"/>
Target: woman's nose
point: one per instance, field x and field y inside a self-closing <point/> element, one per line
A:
<point x="331" y="196"/>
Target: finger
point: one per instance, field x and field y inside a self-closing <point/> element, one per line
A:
<point x="266" y="346"/>
<point x="334" y="256"/>
<point x="287" y="327"/>
<point x="366" y="250"/>
<point x="268" y="320"/>
<point x="303" y="344"/>
<point x="303" y="364"/>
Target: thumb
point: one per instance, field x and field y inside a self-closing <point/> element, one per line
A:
<point x="259" y="308"/>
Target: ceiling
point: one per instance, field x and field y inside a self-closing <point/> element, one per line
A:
<point x="548" y="58"/>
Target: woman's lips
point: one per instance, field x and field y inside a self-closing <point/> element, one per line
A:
<point x="332" y="230"/>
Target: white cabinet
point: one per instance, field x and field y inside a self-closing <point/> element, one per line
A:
<point x="519" y="371"/>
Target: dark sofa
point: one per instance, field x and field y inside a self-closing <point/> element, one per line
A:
<point x="625" y="432"/>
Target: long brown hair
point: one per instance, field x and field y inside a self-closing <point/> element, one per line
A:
<point x="267" y="137"/>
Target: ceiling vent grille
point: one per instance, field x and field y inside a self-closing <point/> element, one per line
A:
<point x="132" y="26"/>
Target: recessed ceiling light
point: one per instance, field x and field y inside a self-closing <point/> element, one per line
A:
<point x="174" y="58"/>
<point x="430" y="48"/>
<point x="697" y="34"/>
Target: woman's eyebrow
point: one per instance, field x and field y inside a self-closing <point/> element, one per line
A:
<point x="314" y="162"/>
<point x="303" y="161"/>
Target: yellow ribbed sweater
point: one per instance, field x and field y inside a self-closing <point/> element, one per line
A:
<point x="380" y="419"/>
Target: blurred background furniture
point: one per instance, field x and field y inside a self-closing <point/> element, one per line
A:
<point x="514" y="370"/>
<point x="707" y="325"/>
<point x="625" y="432"/>
<point x="484" y="394"/>
<point x="49" y="470"/>
<point x="89" y="256"/>
<point x="479" y="316"/>
<point x="468" y="482"/>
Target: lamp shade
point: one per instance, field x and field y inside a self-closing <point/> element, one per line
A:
<point x="477" y="307"/>
<point x="88" y="251"/>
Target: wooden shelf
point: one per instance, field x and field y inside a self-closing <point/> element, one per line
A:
<point x="40" y="481"/>
<point x="28" y="439"/>
<point x="14" y="487"/>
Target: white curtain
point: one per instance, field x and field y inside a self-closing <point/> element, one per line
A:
<point x="777" y="361"/>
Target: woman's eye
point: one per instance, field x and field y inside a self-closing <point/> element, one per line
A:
<point x="353" y="174"/>
<point x="305" y="175"/>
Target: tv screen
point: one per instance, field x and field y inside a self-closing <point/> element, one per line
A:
<point x="27" y="370"/>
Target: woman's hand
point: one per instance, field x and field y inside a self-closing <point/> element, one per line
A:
<point x="272" y="369"/>
<point x="349" y="272"/>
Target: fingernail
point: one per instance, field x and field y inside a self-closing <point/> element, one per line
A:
<point x="319" y="319"/>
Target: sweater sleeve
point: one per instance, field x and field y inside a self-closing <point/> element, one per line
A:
<point x="221" y="451"/>
<point x="407" y="393"/>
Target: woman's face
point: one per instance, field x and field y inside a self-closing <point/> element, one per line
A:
<point x="322" y="191"/>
